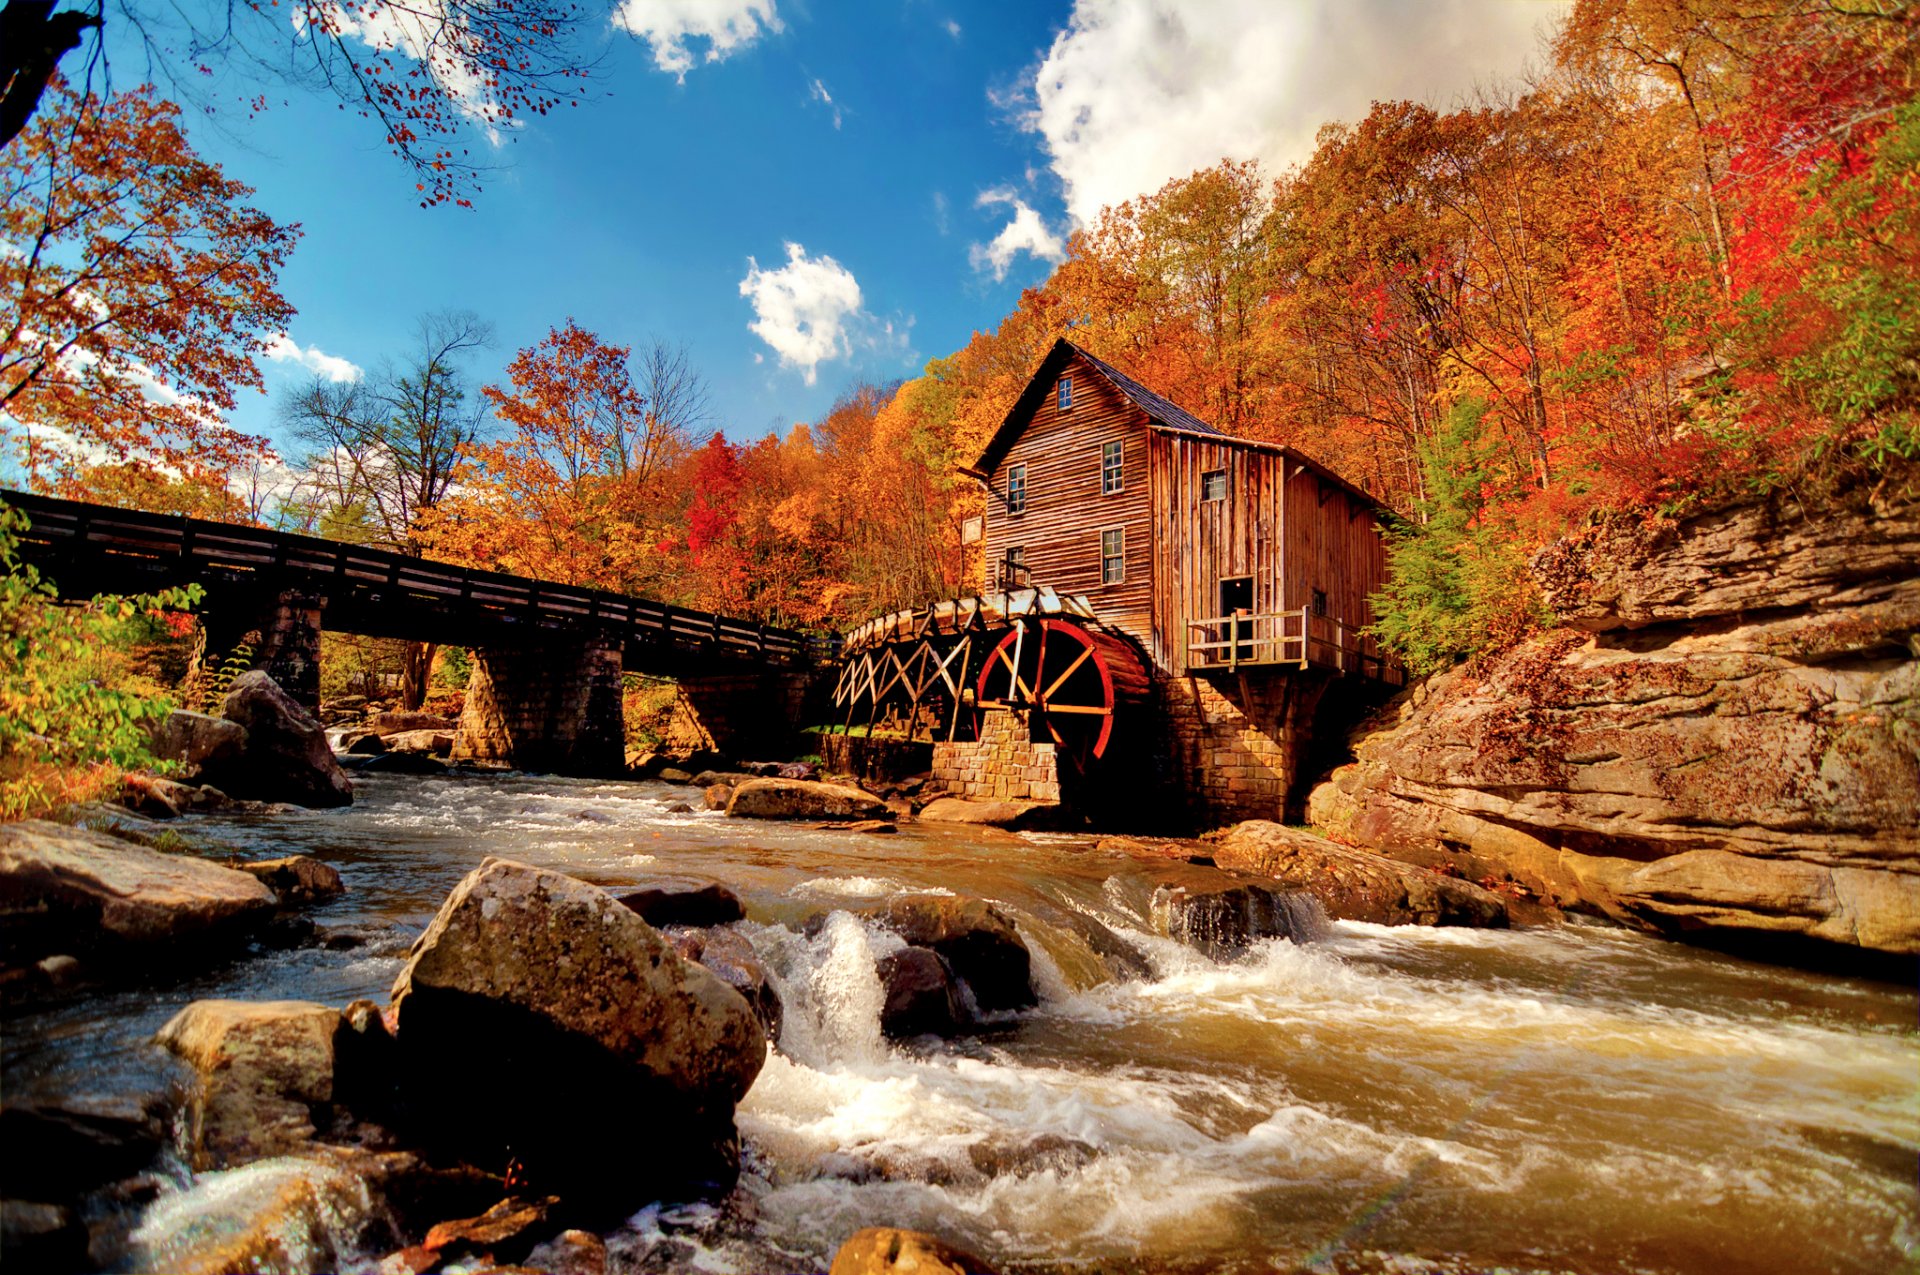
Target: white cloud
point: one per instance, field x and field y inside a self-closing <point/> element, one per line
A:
<point x="817" y="89"/>
<point x="284" y="349"/>
<point x="1028" y="232"/>
<point x="667" y="25"/>
<point x="806" y="311"/>
<point x="942" y="220"/>
<point x="953" y="28"/>
<point x="415" y="30"/>
<point x="1135" y="93"/>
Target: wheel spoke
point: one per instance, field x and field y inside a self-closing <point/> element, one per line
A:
<point x="1086" y="653"/>
<point x="1095" y="710"/>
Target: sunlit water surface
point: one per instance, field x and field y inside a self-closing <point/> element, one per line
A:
<point x="1407" y="1100"/>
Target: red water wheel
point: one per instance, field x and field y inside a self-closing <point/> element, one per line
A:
<point x="1070" y="678"/>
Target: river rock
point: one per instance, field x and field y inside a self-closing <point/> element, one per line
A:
<point x="804" y="799"/>
<point x="1224" y="922"/>
<point x="285" y="1216"/>
<point x="1724" y="735"/>
<point x="978" y="940"/>
<point x="1354" y="885"/>
<point x="728" y="953"/>
<point x="995" y="814"/>
<point x="571" y="1253"/>
<point x="193" y="741"/>
<point x="362" y="743"/>
<point x="262" y="1068"/>
<point x="165" y="798"/>
<point x="541" y="1018"/>
<point x="1019" y="1157"/>
<point x="72" y="890"/>
<point x="673" y="775"/>
<point x="297" y="880"/>
<point x="402" y="763"/>
<point x="718" y="796"/>
<point x="920" y="995"/>
<point x="287" y="757"/>
<point x="436" y="743"/>
<point x="683" y="901"/>
<point x="885" y="1250"/>
<point x="42" y="1237"/>
<point x="64" y="1150"/>
<point x="403" y="721"/>
<point x="731" y="778"/>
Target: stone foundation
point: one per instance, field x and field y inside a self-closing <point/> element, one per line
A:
<point x="877" y="759"/>
<point x="552" y="707"/>
<point x="282" y="632"/>
<point x="754" y="716"/>
<point x="1004" y="764"/>
<point x="1234" y="743"/>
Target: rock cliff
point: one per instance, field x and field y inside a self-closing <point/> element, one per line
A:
<point x="1723" y="733"/>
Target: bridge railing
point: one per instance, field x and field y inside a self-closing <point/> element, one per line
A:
<point x="195" y="548"/>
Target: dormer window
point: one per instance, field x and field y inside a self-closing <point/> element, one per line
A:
<point x="1063" y="396"/>
<point x="1016" y="488"/>
<point x="1110" y="475"/>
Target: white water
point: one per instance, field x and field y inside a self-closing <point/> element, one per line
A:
<point x="1582" y="1099"/>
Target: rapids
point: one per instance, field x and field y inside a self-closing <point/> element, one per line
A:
<point x="1405" y="1100"/>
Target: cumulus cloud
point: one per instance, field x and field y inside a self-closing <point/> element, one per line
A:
<point x="284" y="349"/>
<point x="807" y="311"/>
<point x="953" y="28"/>
<point x="1027" y="232"/>
<point x="1134" y="93"/>
<point x="668" y="27"/>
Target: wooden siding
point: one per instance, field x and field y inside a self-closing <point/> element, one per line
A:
<point x="1281" y="525"/>
<point x="1065" y="508"/>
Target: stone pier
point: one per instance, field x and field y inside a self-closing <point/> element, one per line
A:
<point x="1004" y="764"/>
<point x="747" y="716"/>
<point x="278" y="633"/>
<point x="552" y="706"/>
<point x="1237" y="743"/>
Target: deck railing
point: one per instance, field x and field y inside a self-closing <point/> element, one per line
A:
<point x="1300" y="638"/>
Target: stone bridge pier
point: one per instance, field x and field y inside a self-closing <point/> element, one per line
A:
<point x="550" y="705"/>
<point x="754" y="716"/>
<point x="275" y="631"/>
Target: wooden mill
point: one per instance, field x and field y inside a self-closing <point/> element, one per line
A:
<point x="1153" y="585"/>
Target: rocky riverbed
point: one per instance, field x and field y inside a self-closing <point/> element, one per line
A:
<point x="1058" y="1053"/>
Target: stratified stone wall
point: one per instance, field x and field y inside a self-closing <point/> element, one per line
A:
<point x="552" y="707"/>
<point x="1235" y="742"/>
<point x="1004" y="764"/>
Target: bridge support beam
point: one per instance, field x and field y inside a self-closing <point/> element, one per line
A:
<point x="550" y="706"/>
<point x="753" y="716"/>
<point x="277" y="632"/>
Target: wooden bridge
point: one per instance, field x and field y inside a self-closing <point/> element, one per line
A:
<point x="87" y="549"/>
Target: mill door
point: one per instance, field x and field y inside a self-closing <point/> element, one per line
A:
<point x="1236" y="598"/>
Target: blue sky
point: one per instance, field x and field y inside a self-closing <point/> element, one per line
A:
<point x="745" y="167"/>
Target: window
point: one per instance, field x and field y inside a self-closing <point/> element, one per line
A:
<point x="1319" y="601"/>
<point x="1110" y="467"/>
<point x="1063" y="396"/>
<point x="1113" y="556"/>
<point x="1016" y="489"/>
<point x="1213" y="484"/>
<point x="1013" y="568"/>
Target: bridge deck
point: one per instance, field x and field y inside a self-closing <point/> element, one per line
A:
<point x="87" y="548"/>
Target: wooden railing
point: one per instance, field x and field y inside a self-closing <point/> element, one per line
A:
<point x="157" y="549"/>
<point x="1300" y="638"/>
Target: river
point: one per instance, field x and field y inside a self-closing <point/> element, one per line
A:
<point x="1401" y="1100"/>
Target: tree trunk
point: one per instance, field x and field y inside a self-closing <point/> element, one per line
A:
<point x="33" y="39"/>
<point x="416" y="669"/>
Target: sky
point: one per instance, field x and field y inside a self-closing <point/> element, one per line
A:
<point x="809" y="195"/>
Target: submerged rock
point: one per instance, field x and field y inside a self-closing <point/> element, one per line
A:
<point x="727" y="953"/>
<point x="42" y="1237"/>
<point x="287" y="757"/>
<point x="589" y="1031"/>
<point x="718" y="796"/>
<point x="1223" y="923"/>
<point x="920" y="995"/>
<point x="978" y="940"/>
<point x="885" y="1250"/>
<point x="1354" y="885"/>
<point x="804" y="799"/>
<point x="285" y="1216"/>
<point x="64" y="1150"/>
<point x="70" y="890"/>
<point x="402" y="763"/>
<point x="262" y="1069"/>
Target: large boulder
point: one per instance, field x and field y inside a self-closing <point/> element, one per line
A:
<point x="886" y="1250"/>
<point x="287" y="757"/>
<point x="64" y="1149"/>
<point x="71" y="890"/>
<point x="540" y="1018"/>
<point x="978" y="940"/>
<point x="993" y="814"/>
<point x="263" y="1072"/>
<point x="803" y="799"/>
<point x="683" y="901"/>
<point x="436" y="743"/>
<point x="193" y="741"/>
<point x="1226" y="921"/>
<point x="1353" y="885"/>
<point x="1724" y="736"/>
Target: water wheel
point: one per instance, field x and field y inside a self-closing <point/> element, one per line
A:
<point x="1071" y="678"/>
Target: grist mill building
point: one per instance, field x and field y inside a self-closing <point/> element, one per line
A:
<point x="1161" y="600"/>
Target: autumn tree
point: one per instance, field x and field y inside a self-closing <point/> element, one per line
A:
<point x="139" y="287"/>
<point x="425" y="75"/>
